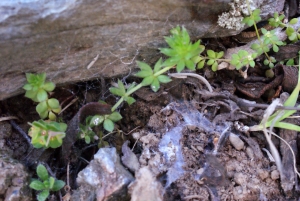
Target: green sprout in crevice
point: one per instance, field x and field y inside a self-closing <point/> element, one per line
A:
<point x="182" y="53"/>
<point x="45" y="183"/>
<point x="37" y="89"/>
<point x="44" y="133"/>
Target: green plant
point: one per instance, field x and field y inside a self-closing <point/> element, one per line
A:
<point x="37" y="89"/>
<point x="47" y="133"/>
<point x="182" y="53"/>
<point x="44" y="133"/>
<point x="292" y="34"/>
<point x="45" y="183"/>
<point x="243" y="58"/>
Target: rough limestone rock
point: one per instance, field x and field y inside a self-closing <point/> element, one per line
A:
<point x="104" y="178"/>
<point x="62" y="38"/>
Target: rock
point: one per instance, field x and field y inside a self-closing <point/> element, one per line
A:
<point x="240" y="178"/>
<point x="104" y="178"/>
<point x="236" y="141"/>
<point x="14" y="180"/>
<point x="62" y="38"/>
<point x="129" y="159"/>
<point x="275" y="175"/>
<point x="146" y="186"/>
<point x="250" y="152"/>
<point x="263" y="174"/>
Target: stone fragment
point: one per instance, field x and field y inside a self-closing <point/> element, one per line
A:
<point x="146" y="187"/>
<point x="240" y="178"/>
<point x="249" y="152"/>
<point x="236" y="142"/>
<point x="129" y="159"/>
<point x="104" y="177"/>
<point x="275" y="175"/>
<point x="263" y="174"/>
<point x="14" y="181"/>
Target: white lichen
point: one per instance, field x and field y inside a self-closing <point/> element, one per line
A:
<point x="233" y="18"/>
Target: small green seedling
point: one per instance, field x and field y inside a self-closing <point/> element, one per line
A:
<point x="182" y="53"/>
<point x="45" y="184"/>
<point x="107" y="120"/>
<point x="45" y="134"/>
<point x="243" y="58"/>
<point x="37" y="89"/>
<point x="153" y="77"/>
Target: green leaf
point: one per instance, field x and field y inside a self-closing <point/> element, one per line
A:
<point x="37" y="185"/>
<point x="290" y="62"/>
<point x="169" y="52"/>
<point x="49" y="86"/>
<point x="27" y="87"/>
<point x="143" y="66"/>
<point x="121" y="85"/>
<point x="293" y="21"/>
<point x="155" y="85"/>
<point x="214" y="67"/>
<point x="42" y="172"/>
<point x="96" y="120"/>
<point x="59" y="184"/>
<point x="51" y="116"/>
<point x="115" y="116"/>
<point x="53" y="103"/>
<point x="201" y="64"/>
<point x="287" y="126"/>
<point x="41" y="95"/>
<point x="147" y="80"/>
<point x="220" y="54"/>
<point x="143" y="74"/>
<point x="117" y="91"/>
<point x="158" y="65"/>
<point x="41" y="107"/>
<point x="51" y="182"/>
<point x="180" y="66"/>
<point x="108" y="125"/>
<point x="190" y="64"/>
<point x="42" y="196"/>
<point x="210" y="62"/>
<point x="87" y="139"/>
<point x="31" y="94"/>
<point x="211" y="54"/>
<point x="275" y="48"/>
<point x="129" y="100"/>
<point x="164" y="79"/>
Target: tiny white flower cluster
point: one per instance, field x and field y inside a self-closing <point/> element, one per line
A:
<point x="233" y="18"/>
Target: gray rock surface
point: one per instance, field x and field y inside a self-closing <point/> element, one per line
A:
<point x="14" y="180"/>
<point x="61" y="38"/>
<point x="104" y="178"/>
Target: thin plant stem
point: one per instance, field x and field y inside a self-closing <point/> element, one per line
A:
<point x="201" y="78"/>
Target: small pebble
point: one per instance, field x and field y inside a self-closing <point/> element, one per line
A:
<point x="263" y="174"/>
<point x="249" y="152"/>
<point x="236" y="142"/>
<point x="240" y="178"/>
<point x="275" y="174"/>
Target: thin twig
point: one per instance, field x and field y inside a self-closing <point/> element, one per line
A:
<point x="92" y="62"/>
<point x="20" y="130"/>
<point x="184" y="75"/>
<point x="8" y="118"/>
<point x="73" y="101"/>
<point x="294" y="157"/>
